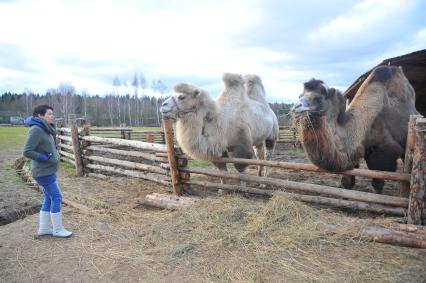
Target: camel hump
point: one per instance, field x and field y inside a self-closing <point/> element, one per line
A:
<point x="254" y="87"/>
<point x="186" y="88"/>
<point x="383" y="74"/>
<point x="232" y="80"/>
<point x="252" y="79"/>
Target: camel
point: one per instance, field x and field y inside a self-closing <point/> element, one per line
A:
<point x="238" y="120"/>
<point x="373" y="126"/>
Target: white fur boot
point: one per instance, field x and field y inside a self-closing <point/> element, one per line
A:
<point x="58" y="229"/>
<point x="45" y="227"/>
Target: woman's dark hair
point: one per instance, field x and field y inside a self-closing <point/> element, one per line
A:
<point x="41" y="110"/>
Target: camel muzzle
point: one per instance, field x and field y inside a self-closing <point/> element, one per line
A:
<point x="299" y="107"/>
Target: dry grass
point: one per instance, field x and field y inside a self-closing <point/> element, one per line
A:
<point x="233" y="239"/>
<point x="220" y="239"/>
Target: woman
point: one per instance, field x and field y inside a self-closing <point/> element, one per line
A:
<point x="41" y="148"/>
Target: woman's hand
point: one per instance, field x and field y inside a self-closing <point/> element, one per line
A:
<point x="44" y="156"/>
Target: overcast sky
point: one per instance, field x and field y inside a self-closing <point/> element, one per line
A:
<point x="88" y="43"/>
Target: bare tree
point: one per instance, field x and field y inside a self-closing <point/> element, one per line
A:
<point x="66" y="92"/>
<point x="85" y="95"/>
<point x="142" y="82"/>
<point x="135" y="84"/>
<point x="27" y="93"/>
<point x="129" y="108"/>
<point x="160" y="87"/>
<point x="116" y="83"/>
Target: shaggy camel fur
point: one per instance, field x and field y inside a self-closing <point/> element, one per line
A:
<point x="237" y="120"/>
<point x="374" y="125"/>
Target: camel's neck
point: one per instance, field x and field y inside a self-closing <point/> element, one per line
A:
<point x="325" y="147"/>
<point x="199" y="134"/>
<point x="337" y="143"/>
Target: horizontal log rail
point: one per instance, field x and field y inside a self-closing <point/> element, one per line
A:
<point x="310" y="167"/>
<point x="110" y="129"/>
<point x="67" y="130"/>
<point x="65" y="138"/>
<point x="67" y="154"/>
<point x="132" y="173"/>
<point x="310" y="188"/>
<point x="147" y="132"/>
<point x="136" y="144"/>
<point x="130" y="153"/>
<point x="66" y="146"/>
<point x="66" y="159"/>
<point x="105" y="134"/>
<point x="128" y="164"/>
<point x="337" y="203"/>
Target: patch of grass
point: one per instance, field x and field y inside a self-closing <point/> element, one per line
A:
<point x="153" y="129"/>
<point x="12" y="137"/>
<point x="200" y="164"/>
<point x="66" y="166"/>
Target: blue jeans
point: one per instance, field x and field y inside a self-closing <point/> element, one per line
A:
<point x="52" y="200"/>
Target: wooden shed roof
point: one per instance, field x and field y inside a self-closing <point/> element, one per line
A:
<point x="414" y="66"/>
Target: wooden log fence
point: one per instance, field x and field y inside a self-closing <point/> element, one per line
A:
<point x="131" y="173"/>
<point x="165" y="164"/>
<point x="303" y="187"/>
<point x="99" y="158"/>
<point x="287" y="135"/>
<point x="412" y="207"/>
<point x="310" y="167"/>
<point x="130" y="143"/>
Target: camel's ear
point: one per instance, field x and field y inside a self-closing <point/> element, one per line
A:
<point x="331" y="91"/>
<point x="196" y="93"/>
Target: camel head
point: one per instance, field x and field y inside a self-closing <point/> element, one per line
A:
<point x="187" y="100"/>
<point x="318" y="100"/>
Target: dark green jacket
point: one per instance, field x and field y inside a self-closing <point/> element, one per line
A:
<point x="42" y="140"/>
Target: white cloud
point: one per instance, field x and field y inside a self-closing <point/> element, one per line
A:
<point x="87" y="43"/>
<point x="366" y="20"/>
<point x="420" y="39"/>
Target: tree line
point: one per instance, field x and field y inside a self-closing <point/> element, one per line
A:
<point x="109" y="110"/>
<point x="125" y="105"/>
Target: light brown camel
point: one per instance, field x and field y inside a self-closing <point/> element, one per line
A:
<point x="374" y="126"/>
<point x="232" y="124"/>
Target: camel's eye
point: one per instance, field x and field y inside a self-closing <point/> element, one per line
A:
<point x="182" y="97"/>
<point x="317" y="99"/>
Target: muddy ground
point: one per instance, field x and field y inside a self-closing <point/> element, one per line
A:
<point x="220" y="239"/>
<point x="16" y="200"/>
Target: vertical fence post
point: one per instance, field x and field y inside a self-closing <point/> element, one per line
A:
<point x="417" y="184"/>
<point x="184" y="176"/>
<point x="168" y="130"/>
<point x="84" y="144"/>
<point x="59" y="124"/>
<point x="76" y="148"/>
<point x="404" y="187"/>
<point x="163" y="137"/>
